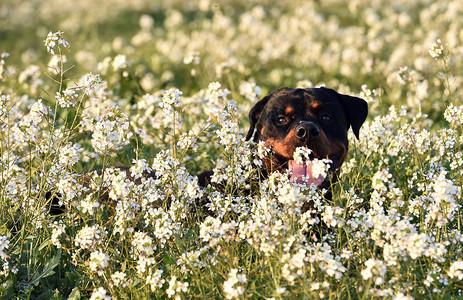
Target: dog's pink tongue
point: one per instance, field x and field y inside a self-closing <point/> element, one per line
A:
<point x="303" y="173"/>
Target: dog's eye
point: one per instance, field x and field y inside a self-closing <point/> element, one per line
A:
<point x="282" y="120"/>
<point x="327" y="118"/>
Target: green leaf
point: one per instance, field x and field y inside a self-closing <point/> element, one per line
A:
<point x="47" y="269"/>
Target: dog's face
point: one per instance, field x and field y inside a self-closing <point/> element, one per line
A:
<point x="316" y="118"/>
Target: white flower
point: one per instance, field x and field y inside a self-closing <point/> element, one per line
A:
<point x="146" y="22"/>
<point x="320" y="167"/>
<point x="332" y="216"/>
<point x="443" y="206"/>
<point x="380" y="179"/>
<point x="88" y="204"/>
<point x="91" y="83"/>
<point x="186" y="141"/>
<point x="143" y="243"/>
<point x="456" y="270"/>
<point x="120" y="62"/>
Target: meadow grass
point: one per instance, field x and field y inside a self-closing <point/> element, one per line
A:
<point x="166" y="88"/>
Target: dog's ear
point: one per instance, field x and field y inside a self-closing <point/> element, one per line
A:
<point x="254" y="115"/>
<point x="356" y="110"/>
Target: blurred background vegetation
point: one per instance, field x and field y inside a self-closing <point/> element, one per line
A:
<point x="342" y="44"/>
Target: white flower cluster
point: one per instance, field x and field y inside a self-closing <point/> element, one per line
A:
<point x="192" y="58"/>
<point x="443" y="204"/>
<point x="98" y="262"/>
<point x="454" y="114"/>
<point x="171" y="100"/>
<point x="29" y="127"/>
<point x="456" y="270"/>
<point x="216" y="98"/>
<point x="155" y="280"/>
<point x="91" y="83"/>
<point x="437" y="49"/>
<point x="110" y="131"/>
<point x="100" y="294"/>
<point x="54" y="39"/>
<point x="250" y="90"/>
<point x="176" y="287"/>
<point x="233" y="287"/>
<point x="57" y="231"/>
<point x="368" y="95"/>
<point x="67" y="97"/>
<point x="89" y="237"/>
<point x="119" y="279"/>
<point x="302" y="154"/>
<point x="69" y="154"/>
<point x="375" y="270"/>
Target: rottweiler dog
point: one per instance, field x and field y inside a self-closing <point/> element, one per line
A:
<point x="316" y="118"/>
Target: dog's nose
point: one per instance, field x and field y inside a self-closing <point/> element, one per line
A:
<point x="307" y="130"/>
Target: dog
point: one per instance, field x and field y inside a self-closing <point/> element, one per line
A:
<point x="315" y="118"/>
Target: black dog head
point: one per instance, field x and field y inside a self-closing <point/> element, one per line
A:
<point x="317" y="118"/>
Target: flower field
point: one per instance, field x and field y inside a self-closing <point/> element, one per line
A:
<point x="165" y="87"/>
